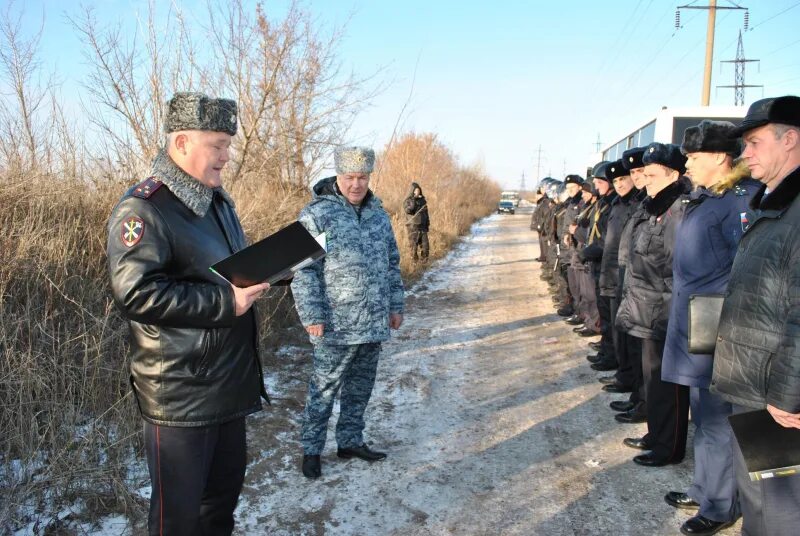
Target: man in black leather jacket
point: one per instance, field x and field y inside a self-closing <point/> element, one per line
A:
<point x="195" y="369"/>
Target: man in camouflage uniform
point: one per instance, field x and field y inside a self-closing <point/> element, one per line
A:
<point x="347" y="302"/>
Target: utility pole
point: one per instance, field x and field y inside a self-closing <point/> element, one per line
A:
<point x="738" y="83"/>
<point x="712" y="18"/>
<point x="522" y="183"/>
<point x="538" y="162"/>
<point x="598" y="144"/>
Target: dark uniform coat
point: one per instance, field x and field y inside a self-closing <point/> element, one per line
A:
<point x="193" y="361"/>
<point x="644" y="310"/>
<point x="757" y="358"/>
<point x="705" y="245"/>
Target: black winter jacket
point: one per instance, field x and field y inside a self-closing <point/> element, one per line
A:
<point x="193" y="361"/>
<point x="644" y="311"/>
<point x="757" y="357"/>
<point x="621" y="210"/>
<point x="416" y="209"/>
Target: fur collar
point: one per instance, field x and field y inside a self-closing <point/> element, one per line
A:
<point x="781" y="197"/>
<point x="625" y="199"/>
<point x="658" y="205"/>
<point x="191" y="192"/>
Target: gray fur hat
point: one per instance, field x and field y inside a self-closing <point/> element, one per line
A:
<point x="197" y="111"/>
<point x="667" y="154"/>
<point x="354" y="160"/>
<point x="711" y="137"/>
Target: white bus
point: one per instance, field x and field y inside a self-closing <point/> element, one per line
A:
<point x="668" y="126"/>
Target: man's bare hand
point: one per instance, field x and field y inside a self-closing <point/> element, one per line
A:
<point x="785" y="419"/>
<point x="244" y="297"/>
<point x="572" y="228"/>
<point x="395" y="320"/>
<point x="316" y="330"/>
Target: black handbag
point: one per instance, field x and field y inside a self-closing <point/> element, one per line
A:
<point x="704" y="313"/>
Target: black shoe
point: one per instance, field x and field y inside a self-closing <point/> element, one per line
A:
<point x="579" y="328"/>
<point x="312" y="467"/>
<point x="594" y="358"/>
<point x="604" y="366"/>
<point x="678" y="499"/>
<point x="363" y="452"/>
<point x="636" y="443"/>
<point x="595" y="346"/>
<point x="622" y="405"/>
<point x="617" y="388"/>
<point x="586" y="332"/>
<point x="605" y="380"/>
<point x="650" y="460"/>
<point x="702" y="525"/>
<point x="574" y="320"/>
<point x="630" y="417"/>
<point x="567" y="310"/>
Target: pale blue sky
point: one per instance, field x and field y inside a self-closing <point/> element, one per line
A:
<point x="496" y="79"/>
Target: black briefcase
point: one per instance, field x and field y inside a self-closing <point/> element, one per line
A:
<point x="704" y="313"/>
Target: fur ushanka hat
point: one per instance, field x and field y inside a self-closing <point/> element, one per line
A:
<point x="711" y="137"/>
<point x="197" y="111"/>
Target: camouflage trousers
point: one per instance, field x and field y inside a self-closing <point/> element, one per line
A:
<point x="350" y="368"/>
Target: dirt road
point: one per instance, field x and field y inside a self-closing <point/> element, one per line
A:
<point x="493" y="421"/>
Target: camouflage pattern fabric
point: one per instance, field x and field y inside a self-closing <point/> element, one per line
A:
<point x="355" y="287"/>
<point x="351" y="368"/>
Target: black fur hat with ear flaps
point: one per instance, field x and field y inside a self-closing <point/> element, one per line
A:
<point x="711" y="137"/>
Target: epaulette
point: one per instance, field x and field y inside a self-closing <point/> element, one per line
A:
<point x="146" y="188"/>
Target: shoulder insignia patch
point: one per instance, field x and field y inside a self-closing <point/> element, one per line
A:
<point x="132" y="231"/>
<point x="146" y="188"/>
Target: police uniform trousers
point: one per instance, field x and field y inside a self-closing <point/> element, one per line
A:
<point x="625" y="350"/>
<point x="714" y="484"/>
<point x="667" y="407"/>
<point x="574" y="288"/>
<point x="606" y="327"/>
<point x="770" y="507"/>
<point x="589" y="298"/>
<point x="196" y="475"/>
<point x="542" y="241"/>
<point x="351" y="369"/>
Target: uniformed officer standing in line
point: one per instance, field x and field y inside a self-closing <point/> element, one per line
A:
<point x="757" y="357"/>
<point x="195" y="369"/>
<point x="644" y="311"/>
<point x="592" y="255"/>
<point x="347" y="302"/>
<point x="706" y="241"/>
<point x="629" y="350"/>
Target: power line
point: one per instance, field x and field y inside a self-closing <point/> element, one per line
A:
<point x="774" y="16"/>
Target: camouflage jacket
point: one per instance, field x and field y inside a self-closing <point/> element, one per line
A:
<point x="355" y="287"/>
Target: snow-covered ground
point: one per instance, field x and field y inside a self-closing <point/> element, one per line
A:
<point x="493" y="421"/>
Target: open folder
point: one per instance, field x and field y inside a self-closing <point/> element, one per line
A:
<point x="769" y="449"/>
<point x="273" y="259"/>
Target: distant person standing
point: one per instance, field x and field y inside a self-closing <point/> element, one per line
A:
<point x="418" y="222"/>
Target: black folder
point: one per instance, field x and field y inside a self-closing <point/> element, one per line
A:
<point x="273" y="259"/>
<point x="769" y="449"/>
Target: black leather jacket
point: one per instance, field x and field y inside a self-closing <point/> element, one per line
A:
<point x="193" y="362"/>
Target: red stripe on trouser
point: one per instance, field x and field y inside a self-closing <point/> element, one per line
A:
<point x="160" y="495"/>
